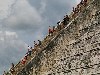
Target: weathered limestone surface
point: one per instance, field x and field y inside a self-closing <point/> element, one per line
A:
<point x="75" y="51"/>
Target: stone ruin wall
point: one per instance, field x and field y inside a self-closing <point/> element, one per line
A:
<point x="76" y="49"/>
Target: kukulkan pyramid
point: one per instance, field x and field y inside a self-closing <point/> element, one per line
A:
<point x="73" y="50"/>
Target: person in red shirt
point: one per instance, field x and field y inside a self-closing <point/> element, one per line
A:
<point x="23" y="61"/>
<point x="50" y="31"/>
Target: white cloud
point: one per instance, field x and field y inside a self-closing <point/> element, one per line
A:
<point x="43" y="6"/>
<point x="11" y="49"/>
<point x="10" y="39"/>
<point x="1" y="39"/>
<point x="24" y="16"/>
<point x="4" y="7"/>
<point x="8" y="33"/>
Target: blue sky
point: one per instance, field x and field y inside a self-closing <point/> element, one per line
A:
<point x="23" y="21"/>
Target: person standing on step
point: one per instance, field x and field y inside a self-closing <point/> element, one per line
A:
<point x="85" y="2"/>
<point x="50" y="31"/>
<point x="4" y="73"/>
<point x="39" y="42"/>
<point x="12" y="70"/>
<point x="30" y="51"/>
